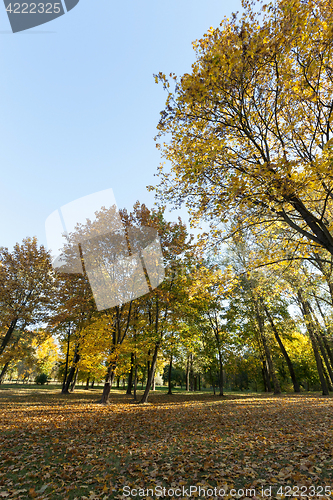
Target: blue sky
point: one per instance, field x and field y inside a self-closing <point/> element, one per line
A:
<point x="79" y="106"/>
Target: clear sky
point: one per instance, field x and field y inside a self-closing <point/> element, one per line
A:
<point x="79" y="106"/>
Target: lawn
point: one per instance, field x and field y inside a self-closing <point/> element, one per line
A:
<point x="66" y="447"/>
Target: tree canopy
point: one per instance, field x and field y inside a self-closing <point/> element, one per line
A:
<point x="250" y="127"/>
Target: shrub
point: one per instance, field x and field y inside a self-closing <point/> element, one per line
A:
<point x="42" y="379"/>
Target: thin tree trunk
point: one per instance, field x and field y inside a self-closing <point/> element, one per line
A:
<point x="8" y="335"/>
<point x="148" y="362"/>
<point x="327" y="347"/>
<point x="265" y="376"/>
<point x="74" y="380"/>
<point x="327" y="277"/>
<point x="117" y="340"/>
<point x="87" y="383"/>
<point x="67" y="358"/>
<point x="270" y="364"/>
<point x="135" y="381"/>
<point x="130" y="376"/>
<point x="267" y="351"/>
<point x="220" y="374"/>
<point x="322" y="335"/>
<point x="326" y="360"/>
<point x="212" y="379"/>
<point x="188" y="374"/>
<point x="92" y="383"/>
<point x="151" y="374"/>
<point x="271" y="367"/>
<point x="169" y="376"/>
<point x="108" y="383"/>
<point x="4" y="370"/>
<point x="191" y="374"/>
<point x="328" y="382"/>
<point x="72" y="370"/>
<point x="284" y="352"/>
<point x="319" y="338"/>
<point x="310" y="327"/>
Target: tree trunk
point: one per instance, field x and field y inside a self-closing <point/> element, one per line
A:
<point x="191" y="373"/>
<point x="67" y="359"/>
<point x="151" y="374"/>
<point x="8" y="335"/>
<point x="135" y="381"/>
<point x="169" y="376"/>
<point x="323" y="335"/>
<point x="310" y="327"/>
<point x="284" y="352"/>
<point x="271" y="368"/>
<point x="328" y="349"/>
<point x="72" y="370"/>
<point x="220" y="374"/>
<point x="87" y="383"/>
<point x="74" y="380"/>
<point x="265" y="376"/>
<point x="4" y="370"/>
<point x="199" y="381"/>
<point x="188" y="374"/>
<point x="108" y="383"/>
<point x="326" y="360"/>
<point x="92" y="383"/>
<point x="319" y="338"/>
<point x="130" y="376"/>
<point x="212" y="379"/>
<point x="117" y="340"/>
<point x="328" y="382"/>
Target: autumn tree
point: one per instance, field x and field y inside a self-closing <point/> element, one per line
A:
<point x="27" y="289"/>
<point x="272" y="285"/>
<point x="250" y="125"/>
<point x="210" y="290"/>
<point x="74" y="310"/>
<point x="164" y="304"/>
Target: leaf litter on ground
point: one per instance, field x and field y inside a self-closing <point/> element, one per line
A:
<point x="69" y="447"/>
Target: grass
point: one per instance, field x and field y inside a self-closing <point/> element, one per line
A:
<point x="63" y="447"/>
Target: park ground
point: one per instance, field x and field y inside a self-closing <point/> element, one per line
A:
<point x="56" y="446"/>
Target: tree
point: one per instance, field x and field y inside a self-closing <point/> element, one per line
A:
<point x="209" y="293"/>
<point x="100" y="248"/>
<point x="46" y="356"/>
<point x="75" y="309"/>
<point x="27" y="288"/>
<point x="165" y="303"/>
<point x="251" y="124"/>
